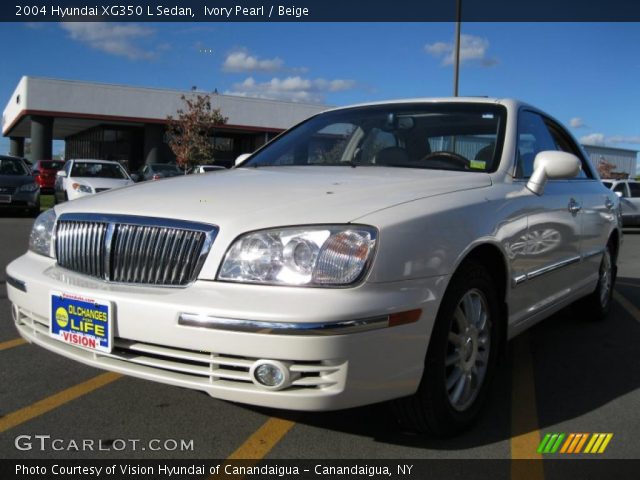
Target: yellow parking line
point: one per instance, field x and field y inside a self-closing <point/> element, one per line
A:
<point x="16" y="342"/>
<point x="525" y="435"/>
<point x="259" y="444"/>
<point x="54" y="401"/>
<point x="627" y="305"/>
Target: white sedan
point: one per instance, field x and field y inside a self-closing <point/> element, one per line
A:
<point x="378" y="252"/>
<point x="79" y="178"/>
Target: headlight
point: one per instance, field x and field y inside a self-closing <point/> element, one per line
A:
<point x="78" y="187"/>
<point x="41" y="233"/>
<point x="29" y="187"/>
<point x="312" y="256"/>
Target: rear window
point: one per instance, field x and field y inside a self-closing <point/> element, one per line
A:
<point x="52" y="165"/>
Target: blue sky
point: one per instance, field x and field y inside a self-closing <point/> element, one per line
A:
<point x="584" y="74"/>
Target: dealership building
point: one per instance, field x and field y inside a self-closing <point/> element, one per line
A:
<point x="127" y="124"/>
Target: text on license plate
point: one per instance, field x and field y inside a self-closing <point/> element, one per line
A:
<point x="80" y="321"/>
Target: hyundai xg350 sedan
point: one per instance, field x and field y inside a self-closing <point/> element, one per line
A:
<point x="371" y="253"/>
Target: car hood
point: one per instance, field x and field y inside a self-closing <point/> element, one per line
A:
<point x="253" y="198"/>
<point x="15" y="180"/>
<point x="101" y="182"/>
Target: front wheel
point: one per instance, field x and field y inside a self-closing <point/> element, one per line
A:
<point x="597" y="305"/>
<point x="460" y="360"/>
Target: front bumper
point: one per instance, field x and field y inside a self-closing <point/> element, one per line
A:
<point x="22" y="200"/>
<point x="332" y="371"/>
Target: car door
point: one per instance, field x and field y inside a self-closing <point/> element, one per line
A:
<point x="551" y="247"/>
<point x="59" y="184"/>
<point x="597" y="206"/>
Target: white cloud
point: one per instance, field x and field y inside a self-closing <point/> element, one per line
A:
<point x="296" y="88"/>
<point x="112" y="38"/>
<point x="593" y="139"/>
<point x="601" y="140"/>
<point x="577" y="122"/>
<point x="472" y="49"/>
<point x="242" y="61"/>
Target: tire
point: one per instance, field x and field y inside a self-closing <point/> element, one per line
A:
<point x="458" y="352"/>
<point x="597" y="305"/>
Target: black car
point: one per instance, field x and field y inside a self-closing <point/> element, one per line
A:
<point x="18" y="188"/>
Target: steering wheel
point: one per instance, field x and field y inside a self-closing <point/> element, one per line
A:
<point x="449" y="157"/>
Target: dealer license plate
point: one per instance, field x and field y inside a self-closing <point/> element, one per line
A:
<point x="82" y="322"/>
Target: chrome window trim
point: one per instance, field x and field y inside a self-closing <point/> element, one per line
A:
<point x="284" y="328"/>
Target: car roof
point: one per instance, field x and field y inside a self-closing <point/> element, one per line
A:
<point x="510" y="103"/>
<point x="93" y="160"/>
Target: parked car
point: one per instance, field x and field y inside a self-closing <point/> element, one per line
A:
<point x="157" y="171"/>
<point x="82" y="177"/>
<point x="18" y="189"/>
<point x="629" y="193"/>
<point x="370" y="253"/>
<point x="205" y="169"/>
<point x="44" y="171"/>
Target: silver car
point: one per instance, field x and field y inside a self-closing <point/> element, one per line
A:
<point x="629" y="193"/>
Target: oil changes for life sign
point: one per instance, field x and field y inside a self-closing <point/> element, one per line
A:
<point x="80" y="321"/>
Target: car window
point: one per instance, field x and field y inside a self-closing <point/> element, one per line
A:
<point x="67" y="167"/>
<point x="465" y="137"/>
<point x="607" y="184"/>
<point x="52" y="165"/>
<point x="533" y="138"/>
<point x="564" y="143"/>
<point x="13" y="166"/>
<point x="97" y="170"/>
<point x="634" y="189"/>
<point x="621" y="187"/>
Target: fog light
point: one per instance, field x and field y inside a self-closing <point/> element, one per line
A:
<point x="270" y="374"/>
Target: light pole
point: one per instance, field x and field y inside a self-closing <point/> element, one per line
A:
<point x="456" y="53"/>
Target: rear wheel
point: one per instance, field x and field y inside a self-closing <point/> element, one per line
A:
<point x="461" y="358"/>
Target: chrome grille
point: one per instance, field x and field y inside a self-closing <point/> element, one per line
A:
<point x="137" y="250"/>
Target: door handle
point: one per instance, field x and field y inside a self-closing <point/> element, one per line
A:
<point x="574" y="207"/>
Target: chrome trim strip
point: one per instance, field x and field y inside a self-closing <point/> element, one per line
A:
<point x="552" y="267"/>
<point x="284" y="328"/>
<point x="15" y="283"/>
<point x="520" y="279"/>
<point x="593" y="253"/>
<point x="108" y="240"/>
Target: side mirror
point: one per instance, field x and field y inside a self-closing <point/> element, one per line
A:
<point x="241" y="159"/>
<point x="61" y="174"/>
<point x="551" y="164"/>
<point x="619" y="194"/>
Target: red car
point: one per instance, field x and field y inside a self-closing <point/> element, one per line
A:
<point x="44" y="173"/>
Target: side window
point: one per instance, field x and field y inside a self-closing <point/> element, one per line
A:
<point x="635" y="189"/>
<point x="67" y="168"/>
<point x="533" y="137"/>
<point x="564" y="143"/>
<point x="621" y="188"/>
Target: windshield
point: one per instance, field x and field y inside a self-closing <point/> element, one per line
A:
<point x="52" y="165"/>
<point x="98" y="170"/>
<point x="449" y="136"/>
<point x="13" y="166"/>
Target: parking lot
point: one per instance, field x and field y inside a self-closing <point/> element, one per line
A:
<point x="565" y="375"/>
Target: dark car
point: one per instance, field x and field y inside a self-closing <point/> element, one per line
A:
<point x="156" y="171"/>
<point x="18" y="188"/>
<point x="44" y="172"/>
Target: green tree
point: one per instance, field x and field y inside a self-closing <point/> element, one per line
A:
<point x="189" y="132"/>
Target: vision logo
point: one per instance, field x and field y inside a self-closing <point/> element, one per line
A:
<point x="575" y="442"/>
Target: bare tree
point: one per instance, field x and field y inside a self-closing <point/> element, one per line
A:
<point x="189" y="133"/>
